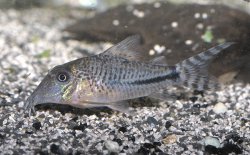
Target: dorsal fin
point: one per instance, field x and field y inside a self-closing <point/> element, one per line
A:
<point x="161" y="60"/>
<point x="126" y="48"/>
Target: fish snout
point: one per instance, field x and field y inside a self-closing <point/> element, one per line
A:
<point x="29" y="105"/>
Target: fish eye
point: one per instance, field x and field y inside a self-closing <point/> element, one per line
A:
<point x="63" y="77"/>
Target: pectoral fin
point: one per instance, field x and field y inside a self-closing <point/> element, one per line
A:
<point x="122" y="106"/>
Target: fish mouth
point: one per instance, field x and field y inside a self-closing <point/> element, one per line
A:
<point x="34" y="99"/>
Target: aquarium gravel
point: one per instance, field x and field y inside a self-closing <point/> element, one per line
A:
<point x="32" y="42"/>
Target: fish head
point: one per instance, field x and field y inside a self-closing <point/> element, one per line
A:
<point x="56" y="87"/>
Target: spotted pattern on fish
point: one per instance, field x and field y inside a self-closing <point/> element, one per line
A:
<point x="132" y="79"/>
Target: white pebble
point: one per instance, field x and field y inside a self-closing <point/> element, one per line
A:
<point x="21" y="104"/>
<point x="178" y="104"/>
<point x="169" y="51"/>
<point x="159" y="49"/>
<point x="139" y="14"/>
<point x="105" y="152"/>
<point x="174" y="24"/>
<point x="51" y="121"/>
<point x="99" y="147"/>
<point x="130" y="8"/>
<point x="112" y="146"/>
<point x="116" y="22"/>
<point x="188" y="42"/>
<point x="213" y="141"/>
<point x="157" y="4"/>
<point x="204" y="15"/>
<point x="5" y="122"/>
<point x="197" y="15"/>
<point x="200" y="26"/>
<point x="212" y="10"/>
<point x="92" y="117"/>
<point x="151" y="52"/>
<point x="220" y="108"/>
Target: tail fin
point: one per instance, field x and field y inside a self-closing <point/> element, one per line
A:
<point x="193" y="71"/>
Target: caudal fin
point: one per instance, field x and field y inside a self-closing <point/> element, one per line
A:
<point x="193" y="71"/>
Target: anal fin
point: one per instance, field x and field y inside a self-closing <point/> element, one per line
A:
<point x="121" y="106"/>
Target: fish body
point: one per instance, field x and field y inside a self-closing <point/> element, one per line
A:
<point x="105" y="78"/>
<point x="114" y="76"/>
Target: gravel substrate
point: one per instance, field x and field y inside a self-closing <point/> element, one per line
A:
<point x="31" y="42"/>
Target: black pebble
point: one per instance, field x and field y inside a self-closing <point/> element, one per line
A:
<point x="198" y="92"/>
<point x="119" y="141"/>
<point x="243" y="121"/>
<point x="143" y="150"/>
<point x="113" y="153"/>
<point x="226" y="149"/>
<point x="182" y="145"/>
<point x="162" y="153"/>
<point x="235" y="137"/>
<point x="70" y="151"/>
<point x="3" y="101"/>
<point x="205" y="119"/>
<point x="204" y="105"/>
<point x="197" y="146"/>
<point x="112" y="132"/>
<point x="81" y="127"/>
<point x="168" y="124"/>
<point x="54" y="149"/>
<point x="158" y="150"/>
<point x="131" y="138"/>
<point x="181" y="96"/>
<point x="211" y="149"/>
<point x="196" y="109"/>
<point x="73" y="133"/>
<point x="157" y="143"/>
<point x="19" y="142"/>
<point x="122" y="129"/>
<point x="148" y="145"/>
<point x="37" y="125"/>
<point x="193" y="99"/>
<point x="41" y="152"/>
<point x="19" y="90"/>
<point x="74" y="119"/>
<point x="125" y="147"/>
<point x="2" y="136"/>
<point x="231" y="148"/>
<point x="29" y="132"/>
<point x="196" y="105"/>
<point x="78" y="152"/>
